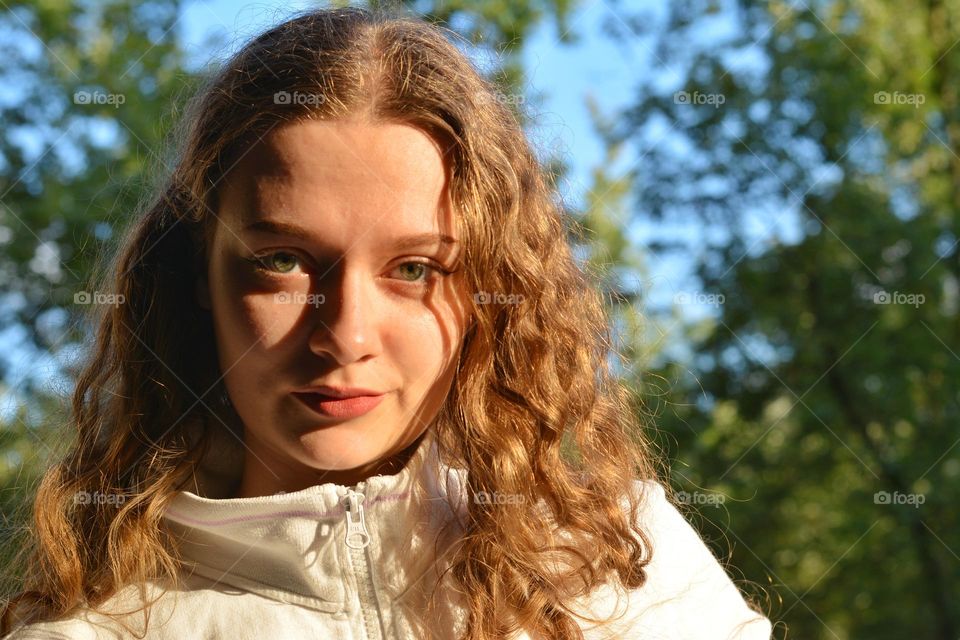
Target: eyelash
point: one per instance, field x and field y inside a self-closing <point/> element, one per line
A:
<point x="258" y="262"/>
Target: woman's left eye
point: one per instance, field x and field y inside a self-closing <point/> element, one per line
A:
<point x="415" y="269"/>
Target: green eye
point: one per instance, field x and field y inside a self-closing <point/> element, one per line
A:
<point x="419" y="266"/>
<point x="280" y="261"/>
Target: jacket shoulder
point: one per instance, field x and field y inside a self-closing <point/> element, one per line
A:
<point x="688" y="594"/>
<point x="127" y="620"/>
<point x="74" y="628"/>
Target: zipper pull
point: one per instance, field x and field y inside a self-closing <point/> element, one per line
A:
<point x="356" y="526"/>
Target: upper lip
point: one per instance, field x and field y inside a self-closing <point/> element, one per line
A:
<point x="340" y="392"/>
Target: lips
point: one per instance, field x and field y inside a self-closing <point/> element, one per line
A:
<point x="340" y="392"/>
<point x="342" y="406"/>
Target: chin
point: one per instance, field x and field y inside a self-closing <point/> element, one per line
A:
<point x="339" y="448"/>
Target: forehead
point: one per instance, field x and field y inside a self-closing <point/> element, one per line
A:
<point x="373" y="172"/>
<point x="381" y="157"/>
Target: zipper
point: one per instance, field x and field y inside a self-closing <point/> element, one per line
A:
<point x="357" y="541"/>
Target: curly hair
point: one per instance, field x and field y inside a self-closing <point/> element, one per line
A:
<point x="534" y="409"/>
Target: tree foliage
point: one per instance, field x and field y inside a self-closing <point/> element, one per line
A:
<point x="826" y="383"/>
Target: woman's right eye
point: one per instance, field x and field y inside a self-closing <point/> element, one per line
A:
<point x="276" y="262"/>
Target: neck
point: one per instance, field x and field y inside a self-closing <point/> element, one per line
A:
<point x="263" y="474"/>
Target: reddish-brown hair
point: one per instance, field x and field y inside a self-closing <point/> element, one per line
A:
<point x="533" y="411"/>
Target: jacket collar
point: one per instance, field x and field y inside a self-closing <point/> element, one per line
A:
<point x="292" y="547"/>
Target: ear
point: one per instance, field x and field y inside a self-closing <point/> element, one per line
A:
<point x="202" y="292"/>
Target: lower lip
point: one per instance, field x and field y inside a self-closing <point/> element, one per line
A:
<point x="339" y="407"/>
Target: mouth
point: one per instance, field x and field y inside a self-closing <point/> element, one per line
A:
<point x="330" y="406"/>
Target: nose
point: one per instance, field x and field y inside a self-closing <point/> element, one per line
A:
<point x="345" y="325"/>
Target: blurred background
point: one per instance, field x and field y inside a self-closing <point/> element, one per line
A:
<point x="771" y="192"/>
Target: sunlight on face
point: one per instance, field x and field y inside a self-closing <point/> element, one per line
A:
<point x="326" y="268"/>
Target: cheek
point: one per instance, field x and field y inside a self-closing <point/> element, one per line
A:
<point x="248" y="317"/>
<point x="424" y="345"/>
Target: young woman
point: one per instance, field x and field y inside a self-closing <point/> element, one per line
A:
<point x="358" y="385"/>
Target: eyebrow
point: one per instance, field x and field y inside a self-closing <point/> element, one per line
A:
<point x="295" y="231"/>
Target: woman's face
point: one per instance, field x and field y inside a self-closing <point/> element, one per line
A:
<point x="327" y="267"/>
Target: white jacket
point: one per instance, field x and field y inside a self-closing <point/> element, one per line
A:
<point x="355" y="563"/>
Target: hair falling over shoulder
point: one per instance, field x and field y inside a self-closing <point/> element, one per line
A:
<point x="534" y="411"/>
